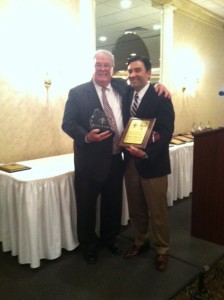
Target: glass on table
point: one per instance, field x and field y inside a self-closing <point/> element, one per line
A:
<point x="194" y="127"/>
<point x="200" y="127"/>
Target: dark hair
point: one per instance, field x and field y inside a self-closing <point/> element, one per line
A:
<point x="143" y="59"/>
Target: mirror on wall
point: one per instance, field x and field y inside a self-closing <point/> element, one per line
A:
<point x="127" y="30"/>
<point x="129" y="44"/>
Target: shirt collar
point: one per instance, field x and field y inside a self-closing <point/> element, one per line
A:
<point x="99" y="88"/>
<point x="142" y="92"/>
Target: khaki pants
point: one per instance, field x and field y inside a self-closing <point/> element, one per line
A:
<point x="147" y="203"/>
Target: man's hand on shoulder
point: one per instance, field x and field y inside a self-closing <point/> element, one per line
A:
<point x="161" y="89"/>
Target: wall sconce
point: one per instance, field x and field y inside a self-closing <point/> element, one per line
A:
<point x="183" y="89"/>
<point x="47" y="84"/>
<point x="189" y="85"/>
<point x="187" y="76"/>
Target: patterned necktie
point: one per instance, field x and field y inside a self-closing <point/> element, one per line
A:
<point x="111" y="119"/>
<point x="134" y="106"/>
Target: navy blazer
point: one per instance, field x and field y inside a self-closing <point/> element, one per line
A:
<point x="161" y="108"/>
<point x="92" y="159"/>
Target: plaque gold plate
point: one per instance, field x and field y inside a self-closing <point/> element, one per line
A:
<point x="137" y="133"/>
<point x="176" y="142"/>
<point x="183" y="138"/>
<point x="189" y="135"/>
<point x="13" y="167"/>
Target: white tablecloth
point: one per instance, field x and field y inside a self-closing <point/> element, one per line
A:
<point x="38" y="209"/>
<point x="180" y="179"/>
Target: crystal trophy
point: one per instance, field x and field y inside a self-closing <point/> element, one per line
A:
<point x="99" y="121"/>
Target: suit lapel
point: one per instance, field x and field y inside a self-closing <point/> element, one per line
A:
<point x="93" y="96"/>
<point x="129" y="99"/>
<point x="145" y="102"/>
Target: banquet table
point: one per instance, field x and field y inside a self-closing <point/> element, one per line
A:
<point x="180" y="179"/>
<point x="38" y="208"/>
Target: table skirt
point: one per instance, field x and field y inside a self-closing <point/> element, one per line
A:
<point x="38" y="207"/>
<point x="38" y="218"/>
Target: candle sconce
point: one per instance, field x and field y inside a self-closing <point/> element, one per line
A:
<point x="47" y="84"/>
<point x="183" y="89"/>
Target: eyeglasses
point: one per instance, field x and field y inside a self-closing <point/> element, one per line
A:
<point x="103" y="66"/>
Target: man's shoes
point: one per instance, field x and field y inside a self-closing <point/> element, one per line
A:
<point x="135" y="250"/>
<point x="114" y="249"/>
<point x="90" y="257"/>
<point x="161" y="262"/>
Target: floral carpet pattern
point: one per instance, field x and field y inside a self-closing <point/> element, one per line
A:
<point x="209" y="285"/>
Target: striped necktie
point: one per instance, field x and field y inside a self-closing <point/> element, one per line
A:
<point x="111" y="119"/>
<point x="134" y="106"/>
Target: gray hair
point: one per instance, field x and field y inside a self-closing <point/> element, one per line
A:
<point x="106" y="52"/>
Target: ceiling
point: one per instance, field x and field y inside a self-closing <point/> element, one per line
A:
<point x="215" y="6"/>
<point x="112" y="21"/>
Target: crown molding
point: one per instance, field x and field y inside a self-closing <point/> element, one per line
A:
<point x="195" y="11"/>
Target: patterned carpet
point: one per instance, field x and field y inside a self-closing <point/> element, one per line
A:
<point x="209" y="285"/>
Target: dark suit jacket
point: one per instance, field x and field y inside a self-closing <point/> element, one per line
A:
<point x="161" y="108"/>
<point x="92" y="160"/>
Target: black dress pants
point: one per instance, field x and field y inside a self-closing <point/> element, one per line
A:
<point x="87" y="192"/>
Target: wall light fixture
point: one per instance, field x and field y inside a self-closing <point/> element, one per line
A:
<point x="47" y="84"/>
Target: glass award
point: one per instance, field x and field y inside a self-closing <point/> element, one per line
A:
<point x="99" y="120"/>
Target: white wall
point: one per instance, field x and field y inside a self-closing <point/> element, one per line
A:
<point x="44" y="40"/>
<point x="39" y="41"/>
<point x="198" y="65"/>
